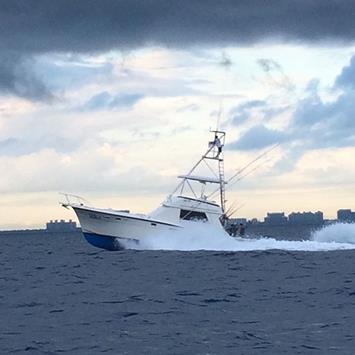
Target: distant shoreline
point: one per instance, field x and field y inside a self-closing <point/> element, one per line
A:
<point x="37" y="231"/>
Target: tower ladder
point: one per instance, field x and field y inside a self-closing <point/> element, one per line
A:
<point x="222" y="183"/>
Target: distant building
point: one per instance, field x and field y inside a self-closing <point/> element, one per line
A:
<point x="306" y="218"/>
<point x="61" y="226"/>
<point x="346" y="215"/>
<point x="275" y="219"/>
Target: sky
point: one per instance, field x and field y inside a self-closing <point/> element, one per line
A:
<point x="111" y="100"/>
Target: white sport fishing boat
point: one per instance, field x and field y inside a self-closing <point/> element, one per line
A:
<point x="190" y="203"/>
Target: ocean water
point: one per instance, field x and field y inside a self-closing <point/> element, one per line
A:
<point x="58" y="294"/>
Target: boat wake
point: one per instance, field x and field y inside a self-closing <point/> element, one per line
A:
<point x="202" y="236"/>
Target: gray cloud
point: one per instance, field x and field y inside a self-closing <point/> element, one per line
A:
<point x="258" y="137"/>
<point x="269" y="65"/>
<point x="332" y="122"/>
<point x="17" y="78"/>
<point x="23" y="146"/>
<point x="63" y="71"/>
<point x="346" y="78"/>
<point x="106" y="101"/>
<point x="275" y="73"/>
<point x="243" y="111"/>
<point x="316" y="124"/>
<point x="246" y="110"/>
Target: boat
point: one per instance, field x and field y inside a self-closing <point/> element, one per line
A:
<point x="191" y="202"/>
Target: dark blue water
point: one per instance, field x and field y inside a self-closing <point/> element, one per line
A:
<point x="60" y="295"/>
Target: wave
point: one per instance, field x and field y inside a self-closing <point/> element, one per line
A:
<point x="336" y="233"/>
<point x="203" y="236"/>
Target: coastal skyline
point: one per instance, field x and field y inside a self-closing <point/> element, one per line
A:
<point x="113" y="102"/>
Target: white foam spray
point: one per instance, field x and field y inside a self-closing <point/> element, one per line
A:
<point x="203" y="236"/>
<point x="336" y="233"/>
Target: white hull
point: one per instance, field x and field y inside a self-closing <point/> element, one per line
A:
<point x="115" y="230"/>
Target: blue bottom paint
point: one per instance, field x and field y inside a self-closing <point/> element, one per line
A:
<point x="103" y="241"/>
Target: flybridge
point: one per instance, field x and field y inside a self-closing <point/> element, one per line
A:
<point x="213" y="160"/>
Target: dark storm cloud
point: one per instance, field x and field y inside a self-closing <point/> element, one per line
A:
<point x="97" y="25"/>
<point x="31" y="27"/>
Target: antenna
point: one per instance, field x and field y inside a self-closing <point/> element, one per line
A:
<point x="220" y="110"/>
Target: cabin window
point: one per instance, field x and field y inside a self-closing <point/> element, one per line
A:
<point x="193" y="215"/>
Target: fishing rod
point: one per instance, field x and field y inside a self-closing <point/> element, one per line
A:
<point x="231" y="211"/>
<point x="252" y="162"/>
<point x="249" y="172"/>
<point x="240" y="171"/>
<point x="235" y="210"/>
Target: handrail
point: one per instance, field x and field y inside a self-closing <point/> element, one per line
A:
<point x="72" y="199"/>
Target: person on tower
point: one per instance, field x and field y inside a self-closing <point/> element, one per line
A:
<point x="218" y="144"/>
